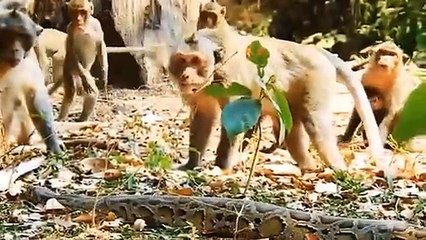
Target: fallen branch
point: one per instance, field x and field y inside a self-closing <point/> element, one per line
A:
<point x="214" y="216"/>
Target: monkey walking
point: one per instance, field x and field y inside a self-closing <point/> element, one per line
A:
<point x="387" y="78"/>
<point x="23" y="100"/>
<point x="306" y="74"/>
<point x="84" y="44"/>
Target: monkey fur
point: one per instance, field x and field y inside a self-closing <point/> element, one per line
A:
<point x="388" y="78"/>
<point x="84" y="45"/>
<point x="24" y="100"/>
<point x="306" y="74"/>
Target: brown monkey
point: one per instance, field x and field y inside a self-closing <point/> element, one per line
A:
<point x="84" y="44"/>
<point x="387" y="76"/>
<point x="24" y="99"/>
<point x="306" y="74"/>
<point x="190" y="71"/>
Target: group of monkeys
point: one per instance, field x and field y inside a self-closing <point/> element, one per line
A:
<point x="305" y="73"/>
<point x="24" y="96"/>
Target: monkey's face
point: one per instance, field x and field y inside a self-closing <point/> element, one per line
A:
<point x="14" y="47"/>
<point x="211" y="15"/>
<point x="376" y="102"/>
<point x="189" y="71"/>
<point x="18" y="34"/>
<point x="50" y="13"/>
<point x="79" y="16"/>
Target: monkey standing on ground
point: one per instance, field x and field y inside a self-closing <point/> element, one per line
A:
<point x="24" y="99"/>
<point x="84" y="44"/>
<point x="306" y="74"/>
<point x="386" y="76"/>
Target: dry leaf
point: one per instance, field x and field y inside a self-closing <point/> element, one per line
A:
<point x="53" y="204"/>
<point x="95" y="165"/>
<point x="66" y="223"/>
<point x="183" y="191"/>
<point x="16" y="188"/>
<point x="139" y="224"/>
<point x="311" y="236"/>
<point x="407" y="214"/>
<point x="112" y="174"/>
<point x="84" y="218"/>
<point x="327" y="188"/>
<point x="110" y="216"/>
<point x="216" y="185"/>
<point x="111" y="224"/>
<point x="9" y="175"/>
<point x="284" y="169"/>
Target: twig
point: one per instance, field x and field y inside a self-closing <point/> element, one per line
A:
<point x="102" y="144"/>
<point x="258" y="127"/>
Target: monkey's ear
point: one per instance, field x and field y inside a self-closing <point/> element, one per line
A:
<point x="405" y="58"/>
<point x="223" y="10"/>
<point x="38" y="29"/>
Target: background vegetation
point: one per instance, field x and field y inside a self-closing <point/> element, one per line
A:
<point x="344" y="26"/>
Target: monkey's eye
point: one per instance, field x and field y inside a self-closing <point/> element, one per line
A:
<point x="195" y="60"/>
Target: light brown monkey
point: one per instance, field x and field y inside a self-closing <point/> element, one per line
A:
<point x="51" y="44"/>
<point x="84" y="44"/>
<point x="387" y="76"/>
<point x="24" y="99"/>
<point x="306" y="74"/>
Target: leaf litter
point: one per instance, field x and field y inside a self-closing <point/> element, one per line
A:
<point x="130" y="146"/>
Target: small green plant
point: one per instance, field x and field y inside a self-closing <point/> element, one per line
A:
<point x="347" y="181"/>
<point x="158" y="159"/>
<point x="243" y="114"/>
<point x="420" y="208"/>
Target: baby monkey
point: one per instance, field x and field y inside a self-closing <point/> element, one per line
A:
<point x="84" y="44"/>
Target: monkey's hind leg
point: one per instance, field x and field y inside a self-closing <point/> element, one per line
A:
<point x="297" y="142"/>
<point x="89" y="103"/>
<point x="41" y="113"/>
<point x="69" y="94"/>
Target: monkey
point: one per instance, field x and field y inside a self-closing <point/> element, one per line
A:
<point x="20" y="5"/>
<point x="384" y="76"/>
<point x="50" y="13"/>
<point x="306" y="74"/>
<point x="23" y="99"/>
<point x="51" y="44"/>
<point x="84" y="44"/>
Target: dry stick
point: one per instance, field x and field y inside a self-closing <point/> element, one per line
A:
<point x="254" y="158"/>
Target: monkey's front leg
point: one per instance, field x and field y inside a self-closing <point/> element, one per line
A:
<point x="354" y="122"/>
<point x="199" y="133"/>
<point x="41" y="113"/>
<point x="102" y="57"/>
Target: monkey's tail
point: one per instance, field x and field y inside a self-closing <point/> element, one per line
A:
<point x="353" y="83"/>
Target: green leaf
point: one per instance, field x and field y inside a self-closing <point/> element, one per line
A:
<point x="218" y="90"/>
<point x="240" y="115"/>
<point x="421" y="40"/>
<point x="279" y="101"/>
<point x="257" y="54"/>
<point x="412" y="118"/>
